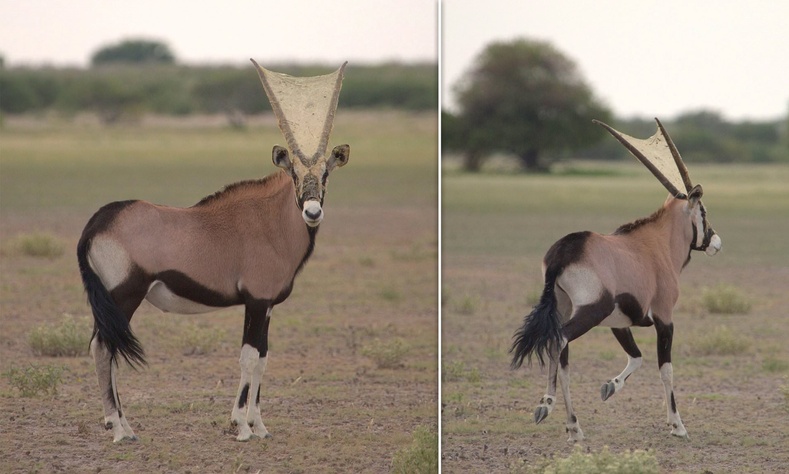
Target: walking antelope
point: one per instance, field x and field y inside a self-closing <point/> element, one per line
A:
<point x="242" y="245"/>
<point x="628" y="278"/>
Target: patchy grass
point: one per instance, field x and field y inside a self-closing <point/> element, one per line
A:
<point x="725" y="299"/>
<point x="35" y="379"/>
<point x="196" y="339"/>
<point x="720" y="341"/>
<point x="38" y="244"/>
<point x="467" y="305"/>
<point x="603" y="462"/>
<point x="387" y="355"/>
<point x="70" y="338"/>
<point x="419" y="458"/>
<point x="772" y="365"/>
<point x="457" y="371"/>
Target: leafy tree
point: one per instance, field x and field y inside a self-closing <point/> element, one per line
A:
<point x="133" y="51"/>
<point x="526" y="98"/>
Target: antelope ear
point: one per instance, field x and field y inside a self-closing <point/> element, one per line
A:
<point x="281" y="157"/>
<point x="694" y="196"/>
<point x="339" y="156"/>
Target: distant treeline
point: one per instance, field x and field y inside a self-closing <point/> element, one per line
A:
<point x="116" y="91"/>
<point x="705" y="136"/>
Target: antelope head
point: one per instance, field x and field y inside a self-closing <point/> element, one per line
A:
<point x="305" y="108"/>
<point x="659" y="154"/>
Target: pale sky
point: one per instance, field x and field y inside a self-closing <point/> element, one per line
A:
<point x="67" y="32"/>
<point x="643" y="58"/>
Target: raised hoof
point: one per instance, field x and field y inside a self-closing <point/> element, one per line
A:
<point x="540" y="414"/>
<point x="607" y="390"/>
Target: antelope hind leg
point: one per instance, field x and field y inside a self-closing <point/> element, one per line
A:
<point x="114" y="417"/>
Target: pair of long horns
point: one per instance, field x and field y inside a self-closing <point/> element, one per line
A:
<point x="659" y="154"/>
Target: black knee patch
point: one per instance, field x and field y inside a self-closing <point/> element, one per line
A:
<point x="673" y="403"/>
<point x="242" y="399"/>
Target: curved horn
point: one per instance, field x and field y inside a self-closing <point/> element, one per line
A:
<point x="683" y="170"/>
<point x="656" y="162"/>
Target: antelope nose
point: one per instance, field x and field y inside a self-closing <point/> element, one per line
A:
<point x="313" y="213"/>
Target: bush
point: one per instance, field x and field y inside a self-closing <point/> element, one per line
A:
<point x="199" y="340"/>
<point x="34" y="379"/>
<point x="457" y="371"/>
<point x="725" y="299"/>
<point x="635" y="462"/>
<point x="38" y="244"/>
<point x="721" y="341"/>
<point x="387" y="355"/>
<point x="421" y="456"/>
<point x="70" y="338"/>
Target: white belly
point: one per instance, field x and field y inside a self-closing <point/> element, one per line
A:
<point x="161" y="297"/>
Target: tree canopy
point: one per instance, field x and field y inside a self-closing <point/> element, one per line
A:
<point x="133" y="51"/>
<point x="526" y="98"/>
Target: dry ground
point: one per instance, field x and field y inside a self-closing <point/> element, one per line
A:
<point x="371" y="281"/>
<point x="495" y="231"/>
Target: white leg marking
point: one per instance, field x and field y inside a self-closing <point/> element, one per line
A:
<point x="128" y="433"/>
<point x="253" y="413"/>
<point x="249" y="367"/>
<point x="618" y="383"/>
<point x="572" y="427"/>
<point x="673" y="419"/>
<point x="108" y="390"/>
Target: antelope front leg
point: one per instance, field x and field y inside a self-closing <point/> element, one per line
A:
<point x="625" y="338"/>
<point x="249" y="366"/>
<point x="665" y="335"/>
<point x="254" y="420"/>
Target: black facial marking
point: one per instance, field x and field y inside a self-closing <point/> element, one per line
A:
<point x="242" y="399"/>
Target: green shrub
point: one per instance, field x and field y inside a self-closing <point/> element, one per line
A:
<point x="71" y="338"/>
<point x="468" y="305"/>
<point x="39" y="244"/>
<point x="773" y="365"/>
<point x="387" y="355"/>
<point x="720" y="341"/>
<point x="34" y="379"/>
<point x="419" y="458"/>
<point x="457" y="371"/>
<point x="195" y="339"/>
<point x="725" y="299"/>
<point x="635" y="462"/>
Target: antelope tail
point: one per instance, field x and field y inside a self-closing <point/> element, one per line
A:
<point x="109" y="323"/>
<point x="542" y="330"/>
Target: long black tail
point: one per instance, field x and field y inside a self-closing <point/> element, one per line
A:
<point x="110" y="324"/>
<point x="542" y="330"/>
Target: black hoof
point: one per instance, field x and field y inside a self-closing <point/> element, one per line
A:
<point x="540" y="414"/>
<point x="607" y="390"/>
<point x="268" y="436"/>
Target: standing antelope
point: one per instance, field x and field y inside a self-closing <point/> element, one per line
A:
<point x="628" y="278"/>
<point x="242" y="245"/>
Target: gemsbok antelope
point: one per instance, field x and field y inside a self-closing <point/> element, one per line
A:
<point x="628" y="278"/>
<point x="243" y="245"/>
